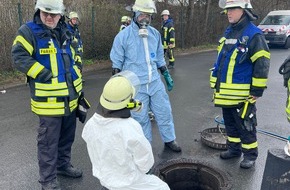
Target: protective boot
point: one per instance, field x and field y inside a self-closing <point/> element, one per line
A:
<point x="51" y="185"/>
<point x="173" y="146"/>
<point x="70" y="171"/>
<point x="229" y="154"/>
<point x="246" y="163"/>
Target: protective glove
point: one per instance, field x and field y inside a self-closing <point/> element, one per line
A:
<point x="44" y="75"/>
<point x="83" y="106"/>
<point x="248" y="113"/>
<point x="168" y="80"/>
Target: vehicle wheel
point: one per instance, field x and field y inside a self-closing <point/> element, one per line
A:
<point x="287" y="43"/>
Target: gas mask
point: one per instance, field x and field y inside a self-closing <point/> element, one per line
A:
<point x="143" y="23"/>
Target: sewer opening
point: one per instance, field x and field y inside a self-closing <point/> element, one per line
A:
<point x="188" y="174"/>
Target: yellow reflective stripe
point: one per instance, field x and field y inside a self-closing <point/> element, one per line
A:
<point x="245" y="109"/>
<point x="234" y="139"/>
<point x="43" y="93"/>
<point x="50" y="104"/>
<point x="25" y="44"/>
<point x="235" y="86"/>
<point x="243" y="93"/>
<point x="221" y="42"/>
<point x="73" y="51"/>
<point x="35" y="70"/>
<point x="259" y="54"/>
<point x="250" y="146"/>
<point x="53" y="60"/>
<point x="78" y="58"/>
<point x="73" y="104"/>
<point x="231" y="67"/>
<point x="258" y="82"/>
<point x="42" y="86"/>
<point x="165" y="32"/>
<point x="171" y="29"/>
<point x="78" y="85"/>
<point x="227" y="100"/>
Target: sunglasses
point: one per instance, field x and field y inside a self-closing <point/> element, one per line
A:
<point x="45" y="14"/>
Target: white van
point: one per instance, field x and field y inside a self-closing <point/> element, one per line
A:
<point x="276" y="27"/>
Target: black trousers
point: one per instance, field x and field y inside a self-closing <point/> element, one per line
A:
<point x="239" y="139"/>
<point x="55" y="138"/>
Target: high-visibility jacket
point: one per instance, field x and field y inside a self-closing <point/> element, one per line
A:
<point x="242" y="68"/>
<point x="36" y="50"/>
<point x="168" y="33"/>
<point x="79" y="48"/>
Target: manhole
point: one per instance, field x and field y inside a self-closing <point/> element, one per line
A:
<point x="187" y="174"/>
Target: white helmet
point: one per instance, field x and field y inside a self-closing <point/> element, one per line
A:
<point x="119" y="91"/>
<point x="165" y="12"/>
<point x="73" y="15"/>
<point x="244" y="4"/>
<point x="145" y="6"/>
<point x="50" y="6"/>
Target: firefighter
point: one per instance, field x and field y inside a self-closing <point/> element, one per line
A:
<point x="285" y="71"/>
<point x="55" y="86"/>
<point x="126" y="21"/>
<point x="168" y="37"/>
<point x="239" y="77"/>
<point x="139" y="49"/>
<point x="73" y="26"/>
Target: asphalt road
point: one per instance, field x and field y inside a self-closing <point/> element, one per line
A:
<point x="193" y="112"/>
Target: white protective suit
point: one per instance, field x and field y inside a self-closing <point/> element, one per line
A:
<point x="129" y="53"/>
<point x="120" y="154"/>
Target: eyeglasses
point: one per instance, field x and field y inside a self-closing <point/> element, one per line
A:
<point x="45" y="14"/>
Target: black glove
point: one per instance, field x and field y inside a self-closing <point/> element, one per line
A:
<point x="83" y="106"/>
<point x="44" y="75"/>
<point x="247" y="112"/>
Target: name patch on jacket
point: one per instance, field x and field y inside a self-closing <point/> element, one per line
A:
<point x="45" y="51"/>
<point x="231" y="41"/>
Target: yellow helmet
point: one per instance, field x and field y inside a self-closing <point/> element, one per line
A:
<point x="146" y="6"/>
<point x="117" y="93"/>
<point x="125" y="18"/>
<point x="73" y="15"/>
<point x="50" y="6"/>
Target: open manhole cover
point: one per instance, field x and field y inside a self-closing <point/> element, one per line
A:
<point x="187" y="174"/>
<point x="214" y="138"/>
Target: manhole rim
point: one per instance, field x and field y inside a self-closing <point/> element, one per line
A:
<point x="223" y="177"/>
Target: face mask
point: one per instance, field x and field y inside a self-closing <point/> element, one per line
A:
<point x="143" y="32"/>
<point x="143" y="24"/>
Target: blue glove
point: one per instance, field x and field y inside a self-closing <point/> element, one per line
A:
<point x="168" y="80"/>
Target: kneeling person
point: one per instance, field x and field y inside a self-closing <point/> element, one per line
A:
<point x="120" y="153"/>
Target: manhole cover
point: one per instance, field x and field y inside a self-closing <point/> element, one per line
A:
<point x="187" y="174"/>
<point x="215" y="138"/>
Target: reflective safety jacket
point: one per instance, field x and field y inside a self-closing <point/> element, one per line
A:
<point x="78" y="46"/>
<point x="168" y="33"/>
<point x="47" y="60"/>
<point x="242" y="65"/>
<point x="122" y="27"/>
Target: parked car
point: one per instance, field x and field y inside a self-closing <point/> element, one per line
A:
<point x="276" y="27"/>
